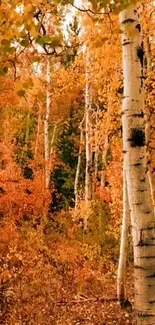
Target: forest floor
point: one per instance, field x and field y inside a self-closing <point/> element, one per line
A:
<point x="90" y="310"/>
<point x="47" y="279"/>
<point x="95" y="304"/>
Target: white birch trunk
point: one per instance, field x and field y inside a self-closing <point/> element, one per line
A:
<point x="52" y="140"/>
<point x="76" y="183"/>
<point x="121" y="290"/>
<point x="96" y="165"/>
<point x="104" y="159"/>
<point x="87" y="131"/>
<point x="96" y="158"/>
<point x="106" y="145"/>
<point x="46" y="124"/>
<point x="134" y="148"/>
<point x="27" y="133"/>
<point x="148" y="130"/>
<point x="148" y="54"/>
<point x="37" y="136"/>
<point x="148" y="158"/>
<point x="50" y="156"/>
<point x="87" y="138"/>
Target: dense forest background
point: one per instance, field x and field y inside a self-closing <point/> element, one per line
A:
<point x="61" y="89"/>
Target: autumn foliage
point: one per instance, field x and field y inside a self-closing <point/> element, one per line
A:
<point x="47" y="259"/>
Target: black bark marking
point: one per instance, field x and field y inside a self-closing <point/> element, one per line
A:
<point x="126" y="43"/>
<point x="151" y="301"/>
<point x="138" y="267"/>
<point x="140" y="54"/>
<point x="140" y="240"/>
<point x="128" y="21"/>
<point x="135" y="100"/>
<point x="142" y="244"/>
<point x="125" y="303"/>
<point x="142" y="77"/>
<point x="140" y="115"/>
<point x="137" y="164"/>
<point x="137" y="138"/>
<point x="144" y="315"/>
<point x="147" y="257"/>
<point x="138" y="27"/>
<point x="120" y="90"/>
<point x="151" y="275"/>
<point x="145" y="62"/>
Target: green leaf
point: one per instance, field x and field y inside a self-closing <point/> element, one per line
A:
<point x="25" y="42"/>
<point x="55" y="41"/>
<point x="21" y="92"/>
<point x="3" y="71"/>
<point x="42" y="40"/>
<point x="5" y="42"/>
<point x="52" y="41"/>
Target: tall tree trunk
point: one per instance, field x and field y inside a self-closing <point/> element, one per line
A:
<point x="87" y="130"/>
<point x="51" y="153"/>
<point x="148" y="53"/>
<point x="96" y="156"/>
<point x="87" y="137"/>
<point x="106" y="143"/>
<point x="104" y="159"/>
<point x="76" y="183"/>
<point x="52" y="139"/>
<point x="121" y="290"/>
<point x="38" y="133"/>
<point x="46" y="124"/>
<point x="134" y="148"/>
<point x="149" y="169"/>
<point x="148" y="128"/>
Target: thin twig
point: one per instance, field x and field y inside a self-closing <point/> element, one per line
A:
<point x="91" y="11"/>
<point x="83" y="300"/>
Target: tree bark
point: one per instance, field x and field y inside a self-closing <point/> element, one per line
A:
<point x="134" y="148"/>
<point x="121" y="290"/>
<point x="87" y="131"/>
<point x="104" y="159"/>
<point x="39" y="122"/>
<point x="76" y="183"/>
<point x="87" y="138"/>
<point x="148" y="54"/>
<point x="96" y="156"/>
<point x="51" y="153"/>
<point x="46" y="124"/>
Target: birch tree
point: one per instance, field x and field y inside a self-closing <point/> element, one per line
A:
<point x="46" y="124"/>
<point x="121" y="290"/>
<point x="76" y="183"/>
<point x="96" y="157"/>
<point x="87" y="136"/>
<point x="87" y="130"/>
<point x="134" y="148"/>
